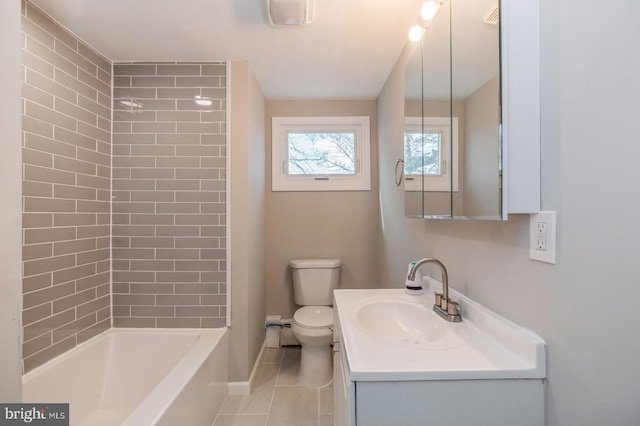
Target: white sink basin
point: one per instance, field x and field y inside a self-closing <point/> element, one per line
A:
<point x="410" y="324"/>
<point x="389" y="335"/>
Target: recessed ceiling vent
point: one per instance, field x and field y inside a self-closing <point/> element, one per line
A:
<point x="290" y="12"/>
<point x="492" y="17"/>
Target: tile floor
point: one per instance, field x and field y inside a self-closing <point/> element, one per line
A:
<point x="277" y="398"/>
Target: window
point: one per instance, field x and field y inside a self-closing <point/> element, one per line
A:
<point x="427" y="156"/>
<point x="320" y="154"/>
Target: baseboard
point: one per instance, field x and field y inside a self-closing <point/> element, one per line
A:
<point x="244" y="388"/>
<point x="238" y="388"/>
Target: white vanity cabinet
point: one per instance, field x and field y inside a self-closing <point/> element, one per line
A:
<point x="344" y="390"/>
<point x="481" y="382"/>
<point x="440" y="403"/>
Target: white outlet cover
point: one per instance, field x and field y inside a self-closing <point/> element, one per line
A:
<point x="548" y="218"/>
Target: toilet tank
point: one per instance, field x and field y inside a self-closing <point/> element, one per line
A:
<point x="314" y="280"/>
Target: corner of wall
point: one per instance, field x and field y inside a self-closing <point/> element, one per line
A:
<point x="10" y="194"/>
<point x="247" y="133"/>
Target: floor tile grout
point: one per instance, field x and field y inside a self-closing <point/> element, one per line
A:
<point x="285" y="362"/>
<point x="275" y="385"/>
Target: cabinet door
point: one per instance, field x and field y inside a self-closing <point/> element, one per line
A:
<point x="472" y="112"/>
<point x="343" y="390"/>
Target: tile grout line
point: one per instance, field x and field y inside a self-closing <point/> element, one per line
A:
<point x="318" y="399"/>
<point x="273" y="393"/>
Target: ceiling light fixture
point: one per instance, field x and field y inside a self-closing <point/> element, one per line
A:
<point x="290" y="12"/>
<point x="415" y="33"/>
<point x="428" y="11"/>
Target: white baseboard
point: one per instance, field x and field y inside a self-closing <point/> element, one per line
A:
<point x="238" y="388"/>
<point x="244" y="388"/>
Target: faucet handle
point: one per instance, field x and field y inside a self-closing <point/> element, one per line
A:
<point x="438" y="298"/>
<point x="453" y="308"/>
<point x="442" y="302"/>
<point x="447" y="309"/>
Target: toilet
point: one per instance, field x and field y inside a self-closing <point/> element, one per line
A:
<point x="313" y="283"/>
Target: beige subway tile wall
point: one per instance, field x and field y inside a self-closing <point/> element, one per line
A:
<point x="169" y="200"/>
<point x="66" y="89"/>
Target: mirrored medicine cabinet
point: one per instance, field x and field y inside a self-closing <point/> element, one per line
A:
<point x="471" y="111"/>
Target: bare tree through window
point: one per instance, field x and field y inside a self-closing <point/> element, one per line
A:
<point x="422" y="153"/>
<point x="321" y="153"/>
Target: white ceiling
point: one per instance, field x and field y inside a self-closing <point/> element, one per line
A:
<point x="346" y="53"/>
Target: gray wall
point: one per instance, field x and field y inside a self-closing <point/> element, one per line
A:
<point x="247" y="222"/>
<point x="66" y="187"/>
<point x="10" y="225"/>
<point x="340" y="224"/>
<point x="585" y="306"/>
<point x="169" y="195"/>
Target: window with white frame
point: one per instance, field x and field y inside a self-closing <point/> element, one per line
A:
<point x="431" y="155"/>
<point x="320" y="154"/>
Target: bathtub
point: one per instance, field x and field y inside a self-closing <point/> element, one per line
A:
<point x="137" y="377"/>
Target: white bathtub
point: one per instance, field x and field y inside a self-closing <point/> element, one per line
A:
<point x="137" y="377"/>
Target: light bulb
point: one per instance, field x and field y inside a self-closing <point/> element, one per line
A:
<point x="428" y="10"/>
<point x="415" y="33"/>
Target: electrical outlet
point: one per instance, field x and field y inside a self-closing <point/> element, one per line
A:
<point x="542" y="237"/>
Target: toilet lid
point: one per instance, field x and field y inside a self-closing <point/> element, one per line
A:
<point x="314" y="316"/>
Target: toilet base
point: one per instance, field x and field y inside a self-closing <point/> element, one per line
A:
<point x="316" y="366"/>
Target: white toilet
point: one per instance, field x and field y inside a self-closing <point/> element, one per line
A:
<point x="313" y="283"/>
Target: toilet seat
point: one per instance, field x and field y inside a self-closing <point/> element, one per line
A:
<point x="314" y="317"/>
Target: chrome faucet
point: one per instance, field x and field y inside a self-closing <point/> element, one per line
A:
<point x="444" y="307"/>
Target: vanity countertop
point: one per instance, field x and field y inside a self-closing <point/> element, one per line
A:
<point x="483" y="346"/>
